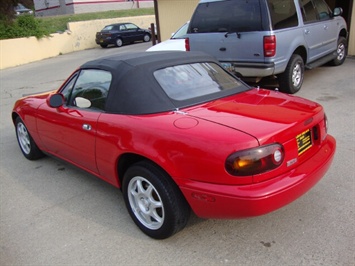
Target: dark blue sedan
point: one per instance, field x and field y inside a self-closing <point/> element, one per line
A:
<point x="118" y="34"/>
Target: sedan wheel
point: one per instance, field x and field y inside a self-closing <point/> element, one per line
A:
<point x="25" y="141"/>
<point x="119" y="42"/>
<point x="154" y="201"/>
<point x="146" y="38"/>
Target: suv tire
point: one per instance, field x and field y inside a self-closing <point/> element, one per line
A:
<point x="291" y="80"/>
<point x="341" y="52"/>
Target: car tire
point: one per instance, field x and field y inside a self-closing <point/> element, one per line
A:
<point x="27" y="145"/>
<point x="103" y="45"/>
<point x="341" y="52"/>
<point x="146" y="37"/>
<point x="154" y="201"/>
<point x="119" y="42"/>
<point x="291" y="80"/>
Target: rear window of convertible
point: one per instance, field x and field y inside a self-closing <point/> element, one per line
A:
<point x="189" y="81"/>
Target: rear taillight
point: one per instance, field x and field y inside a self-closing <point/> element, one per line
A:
<point x="255" y="161"/>
<point x="269" y="46"/>
<point x="187" y="44"/>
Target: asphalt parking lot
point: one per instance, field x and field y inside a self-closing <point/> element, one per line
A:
<point x="54" y="214"/>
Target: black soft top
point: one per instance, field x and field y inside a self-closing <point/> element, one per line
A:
<point x="133" y="89"/>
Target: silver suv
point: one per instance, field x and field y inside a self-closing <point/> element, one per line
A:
<point x="261" y="38"/>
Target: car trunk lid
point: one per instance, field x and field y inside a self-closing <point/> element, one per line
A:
<point x="271" y="117"/>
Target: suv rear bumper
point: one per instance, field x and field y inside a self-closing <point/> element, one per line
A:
<point x="250" y="69"/>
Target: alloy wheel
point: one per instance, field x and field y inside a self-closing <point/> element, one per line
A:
<point x="23" y="138"/>
<point x="146" y="203"/>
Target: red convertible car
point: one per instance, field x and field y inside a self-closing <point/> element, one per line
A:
<point x="176" y="132"/>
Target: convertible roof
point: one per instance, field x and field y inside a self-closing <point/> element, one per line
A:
<point x="134" y="89"/>
<point x="156" y="60"/>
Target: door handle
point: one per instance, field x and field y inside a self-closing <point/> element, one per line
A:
<point x="86" y="127"/>
<point x="325" y="27"/>
<point x="307" y="31"/>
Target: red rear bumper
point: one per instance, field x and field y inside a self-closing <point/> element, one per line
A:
<point x="224" y="201"/>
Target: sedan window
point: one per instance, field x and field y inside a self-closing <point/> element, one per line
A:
<point x="131" y="26"/>
<point x="180" y="34"/>
<point x="108" y="28"/>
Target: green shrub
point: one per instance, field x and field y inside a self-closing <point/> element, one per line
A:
<point x="23" y="26"/>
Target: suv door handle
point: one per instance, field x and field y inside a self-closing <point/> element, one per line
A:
<point x="223" y="49"/>
<point x="307" y="31"/>
<point x="325" y="27"/>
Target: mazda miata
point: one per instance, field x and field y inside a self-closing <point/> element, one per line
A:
<point x="176" y="132"/>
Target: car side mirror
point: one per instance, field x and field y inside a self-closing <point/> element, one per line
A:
<point x="337" y="11"/>
<point x="55" y="100"/>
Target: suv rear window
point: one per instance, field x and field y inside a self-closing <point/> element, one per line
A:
<point x="227" y="16"/>
<point x="283" y="14"/>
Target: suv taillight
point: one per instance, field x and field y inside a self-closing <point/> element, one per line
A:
<point x="187" y="44"/>
<point x="269" y="45"/>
